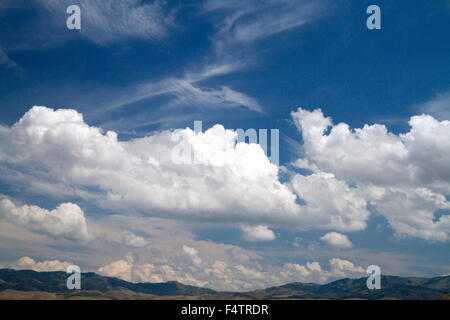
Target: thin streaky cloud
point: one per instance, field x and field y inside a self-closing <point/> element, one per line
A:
<point x="107" y="21"/>
<point x="246" y="21"/>
<point x="7" y="62"/>
<point x="187" y="91"/>
<point x="438" y="106"/>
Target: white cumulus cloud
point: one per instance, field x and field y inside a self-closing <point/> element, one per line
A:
<point x="121" y="269"/>
<point x="330" y="203"/>
<point x="405" y="177"/>
<point x="133" y="240"/>
<point x="27" y="263"/>
<point x="337" y="240"/>
<point x="56" y="147"/>
<point x="66" y="221"/>
<point x="258" y="233"/>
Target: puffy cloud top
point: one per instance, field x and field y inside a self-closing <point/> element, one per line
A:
<point x="27" y="263"/>
<point x="66" y="221"/>
<point x="406" y="176"/>
<point x="337" y="240"/>
<point x="226" y="180"/>
<point x="133" y="240"/>
<point x="258" y="233"/>
<point x="374" y="155"/>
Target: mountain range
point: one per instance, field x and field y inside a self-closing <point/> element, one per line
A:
<point x="28" y="284"/>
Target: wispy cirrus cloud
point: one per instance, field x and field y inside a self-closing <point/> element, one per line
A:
<point x="237" y="25"/>
<point x="438" y="106"/>
<point x="240" y="23"/>
<point x="7" y="62"/>
<point x="188" y="91"/>
<point x="105" y="21"/>
<point x="252" y="20"/>
<point x="102" y="22"/>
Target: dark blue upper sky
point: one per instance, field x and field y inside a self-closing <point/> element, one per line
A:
<point x="333" y="61"/>
<point x="134" y="82"/>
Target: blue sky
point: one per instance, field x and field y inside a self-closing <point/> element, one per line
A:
<point x="142" y="67"/>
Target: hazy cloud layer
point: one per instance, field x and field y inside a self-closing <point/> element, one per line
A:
<point x="188" y="267"/>
<point x="6" y="62"/>
<point x="133" y="240"/>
